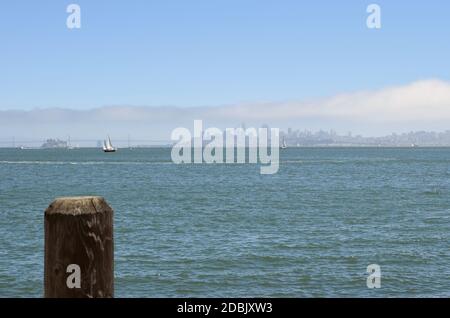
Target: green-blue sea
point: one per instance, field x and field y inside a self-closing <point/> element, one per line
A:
<point x="228" y="231"/>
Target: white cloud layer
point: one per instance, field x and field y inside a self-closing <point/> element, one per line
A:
<point x="422" y="105"/>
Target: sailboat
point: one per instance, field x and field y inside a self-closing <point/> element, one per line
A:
<point x="107" y="146"/>
<point x="284" y="145"/>
<point x="69" y="144"/>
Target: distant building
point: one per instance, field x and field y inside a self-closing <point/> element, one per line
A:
<point x="54" y="143"/>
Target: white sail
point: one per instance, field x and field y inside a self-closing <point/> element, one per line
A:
<point x="107" y="145"/>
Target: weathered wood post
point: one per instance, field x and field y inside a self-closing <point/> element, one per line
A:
<point x="79" y="248"/>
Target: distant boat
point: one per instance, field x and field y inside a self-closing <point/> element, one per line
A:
<point x="283" y="144"/>
<point x="107" y="146"/>
<point x="414" y="146"/>
<point x="69" y="145"/>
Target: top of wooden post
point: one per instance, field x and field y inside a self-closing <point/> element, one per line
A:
<point x="78" y="206"/>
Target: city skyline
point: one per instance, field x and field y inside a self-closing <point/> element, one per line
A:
<point x="293" y="137"/>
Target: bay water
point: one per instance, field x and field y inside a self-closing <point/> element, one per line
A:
<point x="222" y="230"/>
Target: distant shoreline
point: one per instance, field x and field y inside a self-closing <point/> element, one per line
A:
<point x="290" y="147"/>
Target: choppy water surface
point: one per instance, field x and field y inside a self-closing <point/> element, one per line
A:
<point x="225" y="230"/>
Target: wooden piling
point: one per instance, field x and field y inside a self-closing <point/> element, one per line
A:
<point x="79" y="240"/>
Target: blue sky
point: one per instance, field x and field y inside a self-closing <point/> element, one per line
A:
<point x="209" y="53"/>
